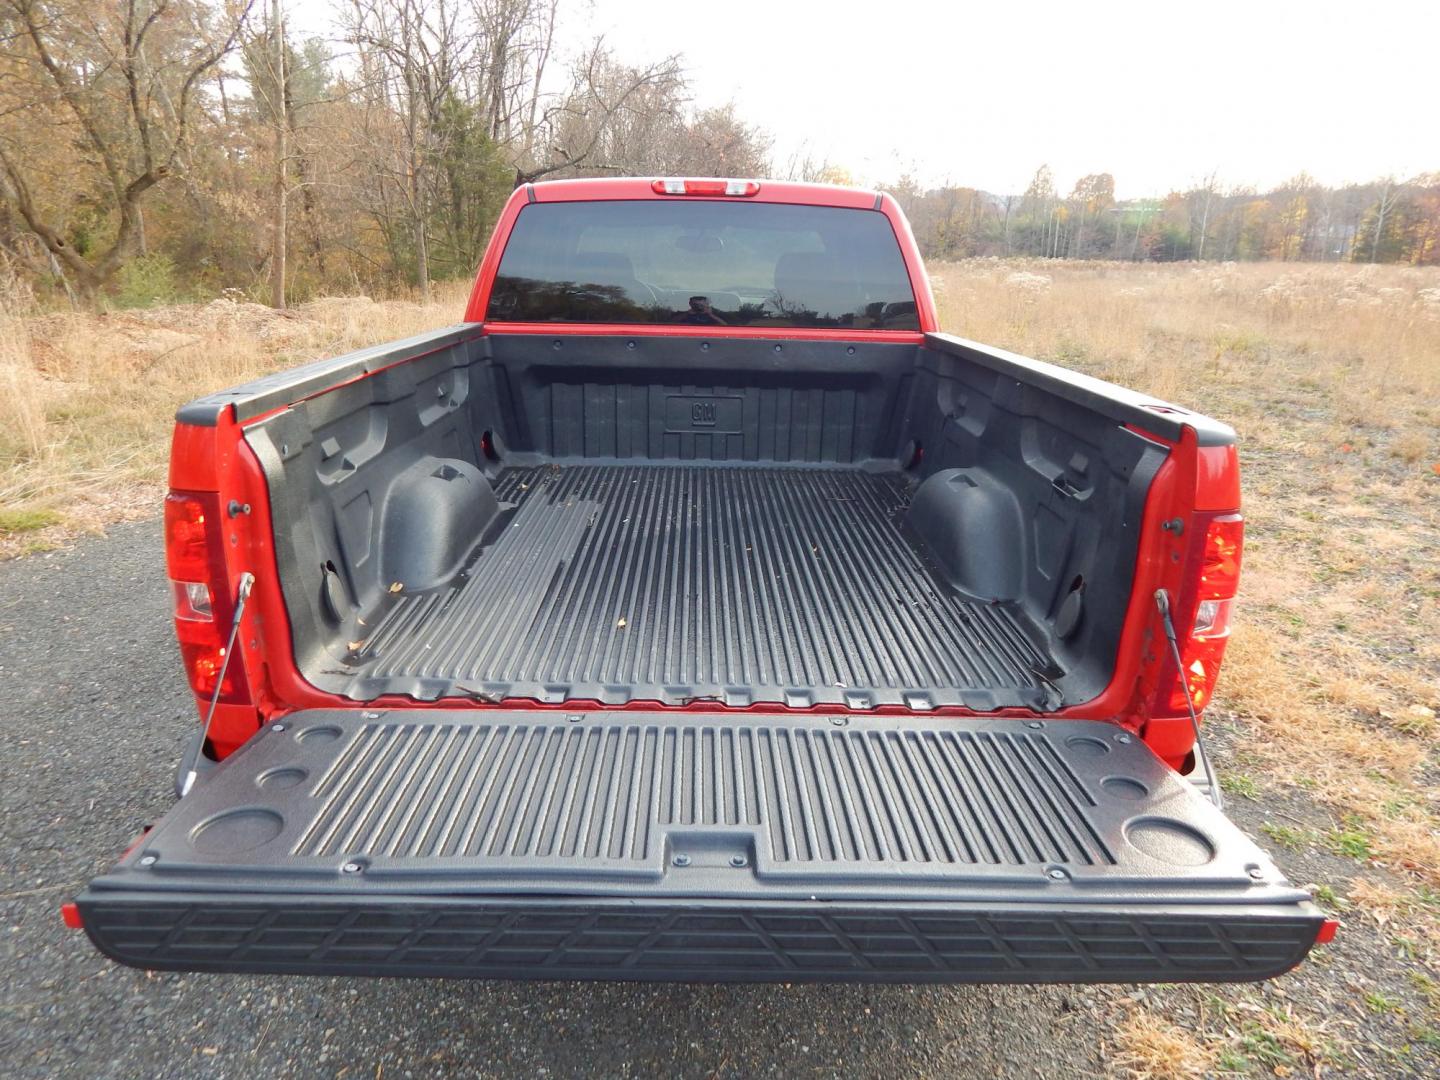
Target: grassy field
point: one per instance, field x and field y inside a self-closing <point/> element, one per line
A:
<point x="1325" y="725"/>
<point x="86" y="402"/>
<point x="1326" y="714"/>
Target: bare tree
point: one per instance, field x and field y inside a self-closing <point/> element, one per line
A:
<point x="128" y="87"/>
<point x="414" y="57"/>
<point x="280" y="240"/>
<point x="1209" y="192"/>
<point x="265" y="55"/>
<point x="514" y="42"/>
<point x="804" y="166"/>
<point x="1389" y="196"/>
<point x="596" y="127"/>
<point x="1038" y="205"/>
<point x="1093" y="195"/>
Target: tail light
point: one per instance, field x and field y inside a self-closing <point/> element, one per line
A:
<point x="740" y="188"/>
<point x="204" y="605"/>
<point x="1213" y="576"/>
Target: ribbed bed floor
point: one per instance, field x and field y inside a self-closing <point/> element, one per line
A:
<point x="675" y="583"/>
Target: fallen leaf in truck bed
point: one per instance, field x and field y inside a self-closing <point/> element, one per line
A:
<point x="620" y="623"/>
<point x="398" y="586"/>
<point x="356" y="646"/>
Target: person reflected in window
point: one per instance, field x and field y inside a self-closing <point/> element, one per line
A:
<point x="700" y="313"/>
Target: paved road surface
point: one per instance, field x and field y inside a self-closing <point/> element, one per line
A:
<point x="94" y="715"/>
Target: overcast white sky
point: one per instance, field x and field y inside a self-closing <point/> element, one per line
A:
<point x="1158" y="93"/>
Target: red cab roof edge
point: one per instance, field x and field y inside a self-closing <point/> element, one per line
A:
<point x="638" y="187"/>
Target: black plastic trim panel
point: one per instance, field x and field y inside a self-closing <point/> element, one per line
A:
<point x="695" y="940"/>
<point x="287" y="387"/>
<point x="1108" y="399"/>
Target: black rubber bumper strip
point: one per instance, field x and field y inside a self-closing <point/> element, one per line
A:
<point x="695" y="940"/>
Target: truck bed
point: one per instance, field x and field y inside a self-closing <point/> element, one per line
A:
<point x="748" y="522"/>
<point x="735" y="584"/>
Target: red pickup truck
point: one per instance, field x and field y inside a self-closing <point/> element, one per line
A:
<point x="696" y="609"/>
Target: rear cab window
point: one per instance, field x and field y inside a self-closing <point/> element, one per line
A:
<point x="703" y="263"/>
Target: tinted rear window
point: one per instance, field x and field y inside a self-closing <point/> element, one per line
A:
<point x="703" y="263"/>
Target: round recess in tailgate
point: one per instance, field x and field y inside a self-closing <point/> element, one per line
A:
<point x="1170" y="841"/>
<point x="281" y="778"/>
<point x="1124" y="787"/>
<point x="1087" y="746"/>
<point x="242" y="829"/>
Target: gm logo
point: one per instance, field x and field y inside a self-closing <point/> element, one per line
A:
<point x="690" y="414"/>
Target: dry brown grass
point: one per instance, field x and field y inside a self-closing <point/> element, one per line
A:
<point x="1187" y="1032"/>
<point x="1373" y="330"/>
<point x="1331" y="375"/>
<point x="1149" y="1047"/>
<point x="86" y="402"/>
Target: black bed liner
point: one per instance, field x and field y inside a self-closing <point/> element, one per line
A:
<point x="667" y="846"/>
<point x="786" y="523"/>
<point x="734" y="584"/>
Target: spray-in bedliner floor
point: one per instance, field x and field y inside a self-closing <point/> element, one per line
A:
<point x="744" y="584"/>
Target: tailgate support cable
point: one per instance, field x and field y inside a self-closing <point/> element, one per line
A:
<point x="242" y="593"/>
<point x="1162" y="601"/>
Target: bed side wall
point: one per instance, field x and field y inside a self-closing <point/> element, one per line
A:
<point x="1028" y="497"/>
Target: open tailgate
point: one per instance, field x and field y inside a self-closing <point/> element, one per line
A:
<point x="613" y="845"/>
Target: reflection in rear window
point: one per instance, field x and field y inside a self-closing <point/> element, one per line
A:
<point x="703" y="264"/>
